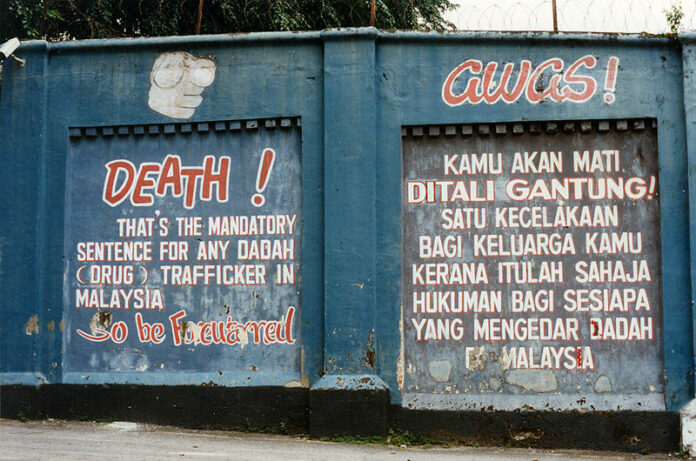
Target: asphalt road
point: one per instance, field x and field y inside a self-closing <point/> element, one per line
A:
<point x="71" y="440"/>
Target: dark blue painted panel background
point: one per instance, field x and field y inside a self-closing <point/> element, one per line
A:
<point x="354" y="90"/>
<point x="90" y="219"/>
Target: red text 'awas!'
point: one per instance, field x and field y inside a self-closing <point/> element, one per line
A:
<point x="550" y="80"/>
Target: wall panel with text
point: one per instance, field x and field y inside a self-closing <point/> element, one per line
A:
<point x="532" y="266"/>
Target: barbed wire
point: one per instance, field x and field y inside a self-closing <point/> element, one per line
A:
<point x="631" y="16"/>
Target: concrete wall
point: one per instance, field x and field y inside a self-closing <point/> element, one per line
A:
<point x="335" y="107"/>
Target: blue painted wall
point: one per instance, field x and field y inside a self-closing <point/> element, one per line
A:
<point x="354" y="90"/>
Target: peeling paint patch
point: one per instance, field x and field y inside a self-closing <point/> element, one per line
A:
<point x="603" y="384"/>
<point x="521" y="436"/>
<point x="195" y="332"/>
<point x="294" y="383"/>
<point x="370" y="356"/>
<point x="61" y="325"/>
<point x="533" y="380"/>
<point x="127" y="360"/>
<point x="51" y="325"/>
<point x="183" y="328"/>
<point x="32" y="325"/>
<point x="440" y="370"/>
<point x="243" y="338"/>
<point x="100" y="321"/>
<point x="475" y="358"/>
<point x="305" y="378"/>
<point x="635" y="440"/>
<point x="400" y="360"/>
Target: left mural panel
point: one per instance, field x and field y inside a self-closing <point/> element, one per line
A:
<point x="182" y="246"/>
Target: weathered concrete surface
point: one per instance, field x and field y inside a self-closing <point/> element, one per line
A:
<point x="687" y="415"/>
<point x="123" y="440"/>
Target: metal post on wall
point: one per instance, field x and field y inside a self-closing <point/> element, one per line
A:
<point x="554" y="12"/>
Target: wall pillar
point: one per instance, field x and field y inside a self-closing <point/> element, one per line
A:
<point x="688" y="412"/>
<point x="349" y="398"/>
<point x="27" y="344"/>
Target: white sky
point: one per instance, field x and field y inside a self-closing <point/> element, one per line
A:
<point x="573" y="15"/>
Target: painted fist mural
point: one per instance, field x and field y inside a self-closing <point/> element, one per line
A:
<point x="177" y="82"/>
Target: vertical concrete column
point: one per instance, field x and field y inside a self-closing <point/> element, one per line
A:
<point x="349" y="398"/>
<point x="23" y="314"/>
<point x="688" y="412"/>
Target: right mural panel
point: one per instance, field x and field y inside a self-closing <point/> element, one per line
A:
<point x="531" y="271"/>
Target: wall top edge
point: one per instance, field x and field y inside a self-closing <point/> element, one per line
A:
<point x="356" y="33"/>
<point x="194" y="40"/>
<point x="512" y="36"/>
<point x="688" y="37"/>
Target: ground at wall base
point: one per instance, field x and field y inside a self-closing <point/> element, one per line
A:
<point x="299" y="411"/>
<point x="88" y="440"/>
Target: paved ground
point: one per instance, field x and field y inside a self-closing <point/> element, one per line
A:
<point x="55" y="440"/>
